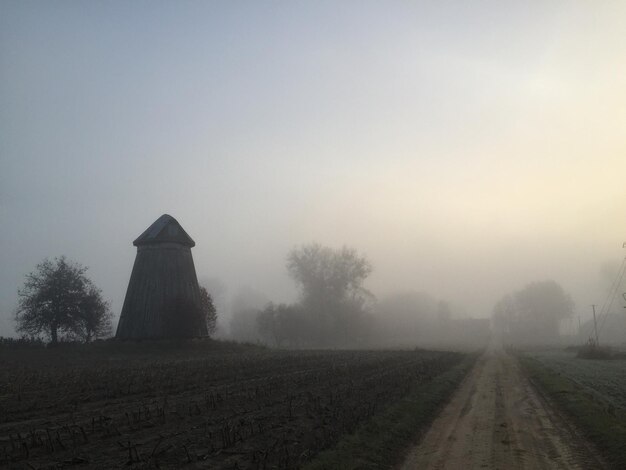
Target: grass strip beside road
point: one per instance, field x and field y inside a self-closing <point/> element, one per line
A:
<point x="601" y="423"/>
<point x="383" y="440"/>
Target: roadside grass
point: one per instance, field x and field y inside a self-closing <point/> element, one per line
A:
<point x="602" y="423"/>
<point x="382" y="441"/>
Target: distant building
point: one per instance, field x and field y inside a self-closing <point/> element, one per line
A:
<point x="163" y="296"/>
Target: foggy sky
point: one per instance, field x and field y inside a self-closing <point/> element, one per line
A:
<point x="467" y="148"/>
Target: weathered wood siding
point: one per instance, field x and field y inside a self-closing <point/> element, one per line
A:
<point x="162" y="273"/>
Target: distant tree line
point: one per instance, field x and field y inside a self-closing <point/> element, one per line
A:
<point x="333" y="307"/>
<point x="533" y="314"/>
<point x="335" y="310"/>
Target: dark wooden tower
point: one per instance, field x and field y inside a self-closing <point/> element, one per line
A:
<point x="163" y="296"/>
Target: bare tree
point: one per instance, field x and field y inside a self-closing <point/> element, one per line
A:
<point x="332" y="293"/>
<point x="324" y="273"/>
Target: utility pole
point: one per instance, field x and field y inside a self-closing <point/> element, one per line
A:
<point x="595" y="325"/>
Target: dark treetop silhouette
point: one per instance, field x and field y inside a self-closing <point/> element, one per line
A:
<point x="163" y="297"/>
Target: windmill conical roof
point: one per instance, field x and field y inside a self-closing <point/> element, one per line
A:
<point x="165" y="229"/>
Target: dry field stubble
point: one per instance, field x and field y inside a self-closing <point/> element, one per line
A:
<point x="195" y="404"/>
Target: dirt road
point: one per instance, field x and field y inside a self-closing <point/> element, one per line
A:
<point x="496" y="420"/>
